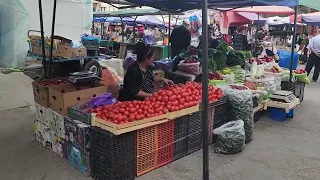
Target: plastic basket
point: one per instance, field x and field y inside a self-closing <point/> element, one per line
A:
<point x="195" y="122"/>
<point x="194" y="142"/>
<point x="165" y="143"/>
<point x="181" y="137"/>
<point x="113" y="157"/>
<point x="295" y="87"/>
<point x="147" y="145"/>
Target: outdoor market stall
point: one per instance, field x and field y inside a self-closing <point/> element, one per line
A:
<point x="179" y="121"/>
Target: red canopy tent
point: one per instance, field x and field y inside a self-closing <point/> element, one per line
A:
<point x="280" y="10"/>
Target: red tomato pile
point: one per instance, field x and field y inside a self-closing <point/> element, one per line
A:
<point x="172" y="98"/>
<point x="50" y="82"/>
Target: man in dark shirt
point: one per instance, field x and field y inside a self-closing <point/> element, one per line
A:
<point x="240" y="41"/>
<point x="180" y="39"/>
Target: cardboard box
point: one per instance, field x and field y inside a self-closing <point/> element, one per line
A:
<point x="79" y="160"/>
<point x="36" y="46"/>
<point x="61" y="97"/>
<point x="65" y="49"/>
<point x="59" y="146"/>
<point x="39" y="113"/>
<point x="56" y="123"/>
<point x="41" y="93"/>
<point x="43" y="135"/>
<point x="77" y="133"/>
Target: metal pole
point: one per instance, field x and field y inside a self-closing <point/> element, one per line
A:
<point x="52" y="35"/>
<point x="293" y="43"/>
<point x="169" y="35"/>
<point x="122" y="29"/>
<point x="205" y="102"/>
<point x="42" y="40"/>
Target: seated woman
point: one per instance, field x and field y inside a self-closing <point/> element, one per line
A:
<point x="139" y="79"/>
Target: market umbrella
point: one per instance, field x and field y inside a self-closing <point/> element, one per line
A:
<point x="266" y="10"/>
<point x="253" y="17"/>
<point x="311" y="19"/>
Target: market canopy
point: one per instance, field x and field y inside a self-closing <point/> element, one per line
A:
<point x="266" y="10"/>
<point x="181" y="6"/>
<point x="150" y="20"/>
<point x="253" y="17"/>
<point x="137" y="12"/>
<point x="113" y="19"/>
<point x="314" y="4"/>
<point x="311" y="19"/>
<point x="101" y="14"/>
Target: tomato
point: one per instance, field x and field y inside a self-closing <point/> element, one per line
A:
<point x="151" y="111"/>
<point x="165" y="98"/>
<point x="140" y="111"/>
<point x="173" y="98"/>
<point x="182" y="100"/>
<point x="142" y="116"/>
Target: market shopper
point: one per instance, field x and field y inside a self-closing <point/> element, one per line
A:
<point x="314" y="57"/>
<point x="240" y="40"/>
<point x="180" y="39"/>
<point x="139" y="79"/>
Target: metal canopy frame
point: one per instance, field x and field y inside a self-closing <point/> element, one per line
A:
<point x="204" y="70"/>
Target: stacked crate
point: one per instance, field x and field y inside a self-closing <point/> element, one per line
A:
<point x="113" y="157"/>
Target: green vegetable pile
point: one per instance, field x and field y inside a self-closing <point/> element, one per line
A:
<point x="217" y="60"/>
<point x="235" y="58"/>
<point x="224" y="47"/>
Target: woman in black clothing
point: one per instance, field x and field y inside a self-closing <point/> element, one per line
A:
<point x="139" y="79"/>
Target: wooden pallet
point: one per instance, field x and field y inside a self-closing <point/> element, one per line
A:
<point x="286" y="106"/>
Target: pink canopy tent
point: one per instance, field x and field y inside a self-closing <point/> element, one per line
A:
<point x="279" y="10"/>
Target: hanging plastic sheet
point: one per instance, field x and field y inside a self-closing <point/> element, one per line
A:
<point x="19" y="16"/>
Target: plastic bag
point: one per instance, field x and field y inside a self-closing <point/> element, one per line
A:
<point x="229" y="78"/>
<point x="231" y="137"/>
<point x="190" y="68"/>
<point x="303" y="78"/>
<point x="241" y="107"/>
<point x="128" y="62"/>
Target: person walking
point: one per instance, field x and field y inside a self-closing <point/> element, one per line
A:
<point x="314" y="58"/>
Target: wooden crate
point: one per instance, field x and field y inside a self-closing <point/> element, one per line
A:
<point x="183" y="112"/>
<point x="128" y="127"/>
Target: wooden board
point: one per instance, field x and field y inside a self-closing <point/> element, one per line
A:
<point x="259" y="107"/>
<point x="130" y="124"/>
<point x="129" y="129"/>
<point x="183" y="112"/>
<point x="286" y="106"/>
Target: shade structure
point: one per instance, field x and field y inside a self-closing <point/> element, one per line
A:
<point x="311" y="19"/>
<point x="253" y="17"/>
<point x="281" y="10"/>
<point x="315" y="4"/>
<point x="181" y="6"/>
<point x="150" y="20"/>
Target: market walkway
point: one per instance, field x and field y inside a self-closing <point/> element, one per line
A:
<point x="279" y="151"/>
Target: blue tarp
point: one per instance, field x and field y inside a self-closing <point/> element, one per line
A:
<point x="112" y="19"/>
<point x="180" y="6"/>
<point x="311" y="20"/>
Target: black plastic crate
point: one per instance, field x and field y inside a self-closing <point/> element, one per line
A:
<point x="222" y="101"/>
<point x="113" y="157"/>
<point x="181" y="132"/>
<point x="257" y="115"/>
<point x="195" y="122"/>
<point x="220" y="119"/>
<point x="295" y="87"/>
<point x="221" y="105"/>
<point x="100" y="173"/>
<point x="77" y="114"/>
<point x="255" y="101"/>
<point x="194" y="142"/>
<point x="302" y="86"/>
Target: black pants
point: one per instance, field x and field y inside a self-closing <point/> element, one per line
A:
<point x="313" y="60"/>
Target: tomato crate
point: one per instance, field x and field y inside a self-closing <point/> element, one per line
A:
<point x="220" y="119"/>
<point x="221" y="105"/>
<point x="147" y="145"/>
<point x="181" y="132"/>
<point x="113" y="157"/>
<point x="165" y="143"/>
<point x="194" y="142"/>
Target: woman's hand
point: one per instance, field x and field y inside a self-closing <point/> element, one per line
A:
<point x="167" y="81"/>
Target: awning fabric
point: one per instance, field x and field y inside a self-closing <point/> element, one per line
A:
<point x="311" y="19"/>
<point x="314" y="4"/>
<point x="266" y="10"/>
<point x="181" y="6"/>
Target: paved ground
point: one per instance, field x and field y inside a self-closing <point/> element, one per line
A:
<point x="279" y="151"/>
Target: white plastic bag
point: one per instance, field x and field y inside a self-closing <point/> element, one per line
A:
<point x="231" y="137"/>
<point x="229" y="78"/>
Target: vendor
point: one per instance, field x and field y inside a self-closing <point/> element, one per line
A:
<point x="139" y="79"/>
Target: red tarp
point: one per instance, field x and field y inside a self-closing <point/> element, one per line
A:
<point x="266" y="10"/>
